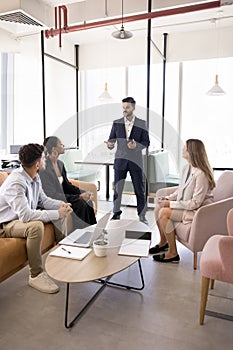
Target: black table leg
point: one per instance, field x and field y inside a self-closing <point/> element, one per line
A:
<point x="125" y="286"/>
<point x="107" y="181"/>
<point x="105" y="282"/>
<point x="70" y="325"/>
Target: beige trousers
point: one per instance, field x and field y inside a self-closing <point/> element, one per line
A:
<point x="33" y="232"/>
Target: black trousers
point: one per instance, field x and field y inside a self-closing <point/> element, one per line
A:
<point x="83" y="213"/>
<point x="136" y="174"/>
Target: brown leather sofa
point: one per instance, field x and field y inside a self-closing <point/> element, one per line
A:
<point x="13" y="255"/>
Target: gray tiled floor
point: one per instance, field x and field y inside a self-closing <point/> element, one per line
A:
<point x="164" y="315"/>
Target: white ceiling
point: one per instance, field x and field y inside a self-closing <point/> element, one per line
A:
<point x="201" y="20"/>
<point x="60" y="2"/>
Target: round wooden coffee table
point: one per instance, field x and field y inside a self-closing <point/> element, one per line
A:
<point x="96" y="269"/>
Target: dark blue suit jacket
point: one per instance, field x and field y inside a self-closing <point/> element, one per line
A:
<point x="123" y="154"/>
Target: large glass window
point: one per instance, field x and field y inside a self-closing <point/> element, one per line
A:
<point x="209" y="117"/>
<point x="137" y="82"/>
<point x="93" y="84"/>
<point x="131" y="81"/>
<point x="6" y="101"/>
<point x="96" y="116"/>
<point x="189" y="111"/>
<point x="60" y="98"/>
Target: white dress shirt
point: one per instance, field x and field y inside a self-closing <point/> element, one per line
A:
<point x="21" y="198"/>
<point x="128" y="126"/>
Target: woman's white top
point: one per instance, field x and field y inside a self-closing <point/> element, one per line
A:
<point x="60" y="179"/>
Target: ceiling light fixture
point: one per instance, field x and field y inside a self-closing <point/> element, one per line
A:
<point x="122" y="33"/>
<point x="216" y="90"/>
<point x="105" y="95"/>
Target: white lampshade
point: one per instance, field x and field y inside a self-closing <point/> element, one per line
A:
<point x="216" y="90"/>
<point x="105" y="95"/>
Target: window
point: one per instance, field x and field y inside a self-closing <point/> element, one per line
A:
<point x="189" y="111"/>
<point x="60" y="100"/>
<point x="6" y="101"/>
<point x="209" y="117"/>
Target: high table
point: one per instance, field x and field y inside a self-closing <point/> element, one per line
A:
<point x="107" y="173"/>
<point x="97" y="269"/>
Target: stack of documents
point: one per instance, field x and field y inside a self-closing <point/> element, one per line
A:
<point x="70" y="252"/>
<point x="136" y="243"/>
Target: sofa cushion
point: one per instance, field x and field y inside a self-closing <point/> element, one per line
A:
<point x="48" y="239"/>
<point x="183" y="232"/>
<point x="224" y="186"/>
<point x="13" y="256"/>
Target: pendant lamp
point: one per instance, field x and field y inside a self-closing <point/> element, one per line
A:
<point x="216" y="90"/>
<point x="105" y="95"/>
<point x="122" y="33"/>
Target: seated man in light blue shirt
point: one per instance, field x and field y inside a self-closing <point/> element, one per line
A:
<point x="24" y="208"/>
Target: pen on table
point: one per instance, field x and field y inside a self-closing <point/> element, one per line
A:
<point x="65" y="250"/>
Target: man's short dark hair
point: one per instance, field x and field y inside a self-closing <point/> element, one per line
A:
<point x="129" y="100"/>
<point x="29" y="154"/>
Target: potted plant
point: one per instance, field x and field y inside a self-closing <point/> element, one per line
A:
<point x="100" y="245"/>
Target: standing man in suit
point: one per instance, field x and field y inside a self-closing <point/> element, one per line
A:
<point x="131" y="135"/>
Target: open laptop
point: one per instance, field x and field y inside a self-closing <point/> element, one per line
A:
<point x="85" y="237"/>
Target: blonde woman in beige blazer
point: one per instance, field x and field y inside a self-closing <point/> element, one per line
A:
<point x="195" y="190"/>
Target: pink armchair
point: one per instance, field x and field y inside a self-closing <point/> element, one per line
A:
<point x="209" y="219"/>
<point x="217" y="264"/>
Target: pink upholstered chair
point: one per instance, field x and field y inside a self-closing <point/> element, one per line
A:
<point x="209" y="219"/>
<point x="217" y="264"/>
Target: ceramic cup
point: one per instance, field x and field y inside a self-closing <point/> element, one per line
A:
<point x="100" y="247"/>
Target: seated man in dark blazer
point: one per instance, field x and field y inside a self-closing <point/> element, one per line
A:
<point x="131" y="135"/>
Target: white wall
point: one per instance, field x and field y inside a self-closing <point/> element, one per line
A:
<point x="8" y="43"/>
<point x="181" y="46"/>
<point x="200" y="45"/>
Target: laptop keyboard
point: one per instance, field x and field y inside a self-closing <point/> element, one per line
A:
<point x="85" y="238"/>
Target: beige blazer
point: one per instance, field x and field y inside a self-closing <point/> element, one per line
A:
<point x="192" y="193"/>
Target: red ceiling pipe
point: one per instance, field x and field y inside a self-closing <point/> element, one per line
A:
<point x="55" y="17"/>
<point x="59" y="24"/>
<point x="64" y="9"/>
<point x="144" y="16"/>
<point x="65" y="25"/>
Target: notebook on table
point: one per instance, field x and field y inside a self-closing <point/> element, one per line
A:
<point x="76" y="253"/>
<point x="85" y="237"/>
<point x="136" y="243"/>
